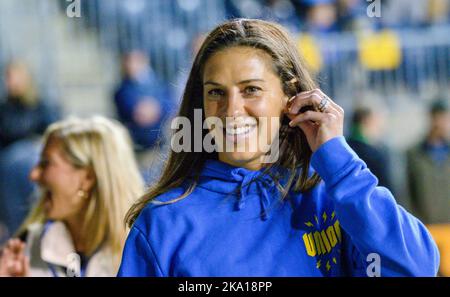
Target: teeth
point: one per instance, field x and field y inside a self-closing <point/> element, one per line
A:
<point x="239" y="130"/>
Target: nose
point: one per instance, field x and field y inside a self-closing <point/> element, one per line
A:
<point x="235" y="105"/>
<point x="35" y="174"/>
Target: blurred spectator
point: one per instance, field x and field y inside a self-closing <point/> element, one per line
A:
<point x="321" y="16"/>
<point x="182" y="76"/>
<point x="438" y="11"/>
<point x="365" y="138"/>
<point x="88" y="179"/>
<point x="142" y="100"/>
<point x="23" y="117"/>
<point x="144" y="104"/>
<point x="428" y="166"/>
<point x="321" y="20"/>
<point x="352" y="15"/>
<point x="281" y="11"/>
<point x="400" y="13"/>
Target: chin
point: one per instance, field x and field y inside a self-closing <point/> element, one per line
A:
<point x="241" y="159"/>
<point x="54" y="216"/>
<point x="51" y="216"/>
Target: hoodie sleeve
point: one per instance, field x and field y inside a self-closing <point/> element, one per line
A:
<point x="371" y="218"/>
<point x="138" y="258"/>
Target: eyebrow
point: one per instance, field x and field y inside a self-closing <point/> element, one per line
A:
<point x="239" y="83"/>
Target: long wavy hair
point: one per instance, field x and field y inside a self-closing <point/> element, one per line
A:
<point x="294" y="151"/>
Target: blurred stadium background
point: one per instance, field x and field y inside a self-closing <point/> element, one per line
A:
<point x="399" y="61"/>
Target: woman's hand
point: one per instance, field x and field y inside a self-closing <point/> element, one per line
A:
<point x="324" y="121"/>
<point x="13" y="261"/>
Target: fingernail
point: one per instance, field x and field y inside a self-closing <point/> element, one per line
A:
<point x="291" y="124"/>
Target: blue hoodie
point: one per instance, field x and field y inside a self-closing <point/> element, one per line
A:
<point x="335" y="229"/>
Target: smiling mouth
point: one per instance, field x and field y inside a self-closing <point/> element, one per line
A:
<point x="238" y="132"/>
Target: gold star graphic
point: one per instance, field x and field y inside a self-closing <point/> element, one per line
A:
<point x="309" y="224"/>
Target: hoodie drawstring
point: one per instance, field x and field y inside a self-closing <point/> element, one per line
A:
<point x="256" y="183"/>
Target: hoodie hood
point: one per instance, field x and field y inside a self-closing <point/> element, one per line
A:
<point x="246" y="184"/>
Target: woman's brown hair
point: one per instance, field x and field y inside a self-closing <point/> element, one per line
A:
<point x="294" y="151"/>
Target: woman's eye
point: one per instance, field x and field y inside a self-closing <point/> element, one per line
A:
<point x="216" y="93"/>
<point x="252" y="90"/>
<point x="43" y="163"/>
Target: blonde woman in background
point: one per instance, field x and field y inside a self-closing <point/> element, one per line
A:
<point x="88" y="178"/>
<point x="25" y="113"/>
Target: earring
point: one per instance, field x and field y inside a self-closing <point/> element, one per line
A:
<point x="81" y="194"/>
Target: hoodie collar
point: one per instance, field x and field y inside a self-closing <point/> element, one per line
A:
<point x="221" y="177"/>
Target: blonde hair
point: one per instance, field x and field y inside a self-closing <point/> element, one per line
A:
<point x="104" y="146"/>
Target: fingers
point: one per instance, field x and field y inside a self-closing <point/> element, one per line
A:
<point x="13" y="261"/>
<point x="303" y="99"/>
<point x="312" y="98"/>
<point x="315" y="116"/>
<point x="300" y="102"/>
<point x="335" y="106"/>
<point x="321" y="122"/>
<point x="21" y="266"/>
<point x="309" y="98"/>
<point x="15" y="245"/>
<point x="10" y="265"/>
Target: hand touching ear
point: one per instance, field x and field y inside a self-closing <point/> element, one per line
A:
<point x="323" y="121"/>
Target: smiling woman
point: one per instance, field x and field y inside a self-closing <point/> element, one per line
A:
<point x="88" y="179"/>
<point x="243" y="92"/>
<point x="315" y="211"/>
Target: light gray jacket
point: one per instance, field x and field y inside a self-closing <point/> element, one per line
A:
<point x="53" y="252"/>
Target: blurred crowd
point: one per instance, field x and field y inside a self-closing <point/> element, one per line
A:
<point x="34" y="168"/>
<point x="325" y="16"/>
<point x="184" y="21"/>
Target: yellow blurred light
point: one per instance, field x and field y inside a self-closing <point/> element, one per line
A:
<point x="380" y="51"/>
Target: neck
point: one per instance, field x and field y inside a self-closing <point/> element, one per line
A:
<point x="74" y="224"/>
<point x="253" y="164"/>
<point x="434" y="138"/>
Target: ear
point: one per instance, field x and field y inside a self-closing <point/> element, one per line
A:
<point x="89" y="180"/>
<point x="285" y="100"/>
